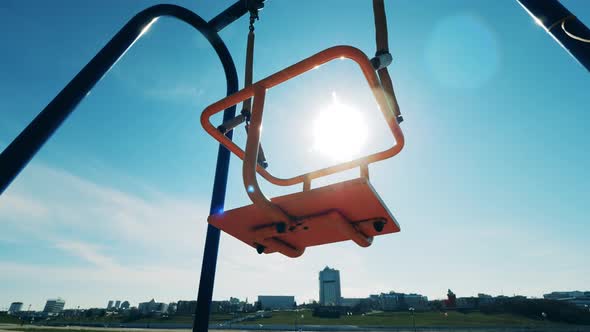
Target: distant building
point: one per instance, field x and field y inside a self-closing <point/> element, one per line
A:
<point x="172" y="307"/>
<point x="71" y="313"/>
<point x="247" y="307"/>
<point x="231" y="305"/>
<point x="125" y="305"/>
<point x="329" y="287"/>
<point x="54" y="306"/>
<point x="564" y="295"/>
<point x="117" y="304"/>
<point x="416" y="301"/>
<point x="152" y="307"/>
<point x="271" y="302"/>
<point x="388" y="301"/>
<point x="467" y="303"/>
<point x="350" y="302"/>
<point x="393" y="301"/>
<point x="110" y="304"/>
<point x="581" y="299"/>
<point x="186" y="307"/>
<point x="484" y="299"/>
<point x="221" y="307"/>
<point x="95" y="312"/>
<point x="15" y="307"/>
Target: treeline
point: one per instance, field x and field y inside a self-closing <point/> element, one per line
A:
<point x="8" y="319"/>
<point x="555" y="311"/>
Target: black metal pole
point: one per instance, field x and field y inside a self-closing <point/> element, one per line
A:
<point x="556" y="19"/>
<point x="22" y="149"/>
<point x="229" y="15"/>
<point x="16" y="156"/>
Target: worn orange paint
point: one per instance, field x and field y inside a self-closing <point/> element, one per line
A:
<point x="338" y="212"/>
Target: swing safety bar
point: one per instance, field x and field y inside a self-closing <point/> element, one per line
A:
<point x="258" y="92"/>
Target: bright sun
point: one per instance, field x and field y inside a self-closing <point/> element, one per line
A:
<point x="339" y="131"/>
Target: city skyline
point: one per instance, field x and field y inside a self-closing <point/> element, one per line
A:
<point x="38" y="304"/>
<point x="553" y="294"/>
<point x="116" y="203"/>
<point x="556" y="307"/>
<point x="163" y="306"/>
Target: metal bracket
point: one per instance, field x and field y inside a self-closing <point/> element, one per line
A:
<point x="381" y="60"/>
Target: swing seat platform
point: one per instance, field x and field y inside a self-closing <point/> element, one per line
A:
<point x="349" y="210"/>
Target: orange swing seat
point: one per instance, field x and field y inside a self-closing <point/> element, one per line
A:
<point x="349" y="210"/>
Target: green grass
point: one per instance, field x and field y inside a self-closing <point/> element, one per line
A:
<point x="47" y="329"/>
<point x="183" y="319"/>
<point x="423" y="319"/>
<point x="402" y="319"/>
<point x="180" y="319"/>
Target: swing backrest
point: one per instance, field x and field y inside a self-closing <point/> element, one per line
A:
<point x="258" y="90"/>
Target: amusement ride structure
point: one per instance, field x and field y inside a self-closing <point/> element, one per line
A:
<point x="349" y="210"/>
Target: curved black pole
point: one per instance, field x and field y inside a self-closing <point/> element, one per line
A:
<point x="556" y="19"/>
<point x="18" y="154"/>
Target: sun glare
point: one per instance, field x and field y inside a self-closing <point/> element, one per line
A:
<point x="339" y="131"/>
<point x="147" y="27"/>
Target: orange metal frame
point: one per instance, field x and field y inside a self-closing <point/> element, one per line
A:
<point x="258" y="92"/>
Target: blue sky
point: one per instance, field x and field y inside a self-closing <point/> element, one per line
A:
<point x="491" y="189"/>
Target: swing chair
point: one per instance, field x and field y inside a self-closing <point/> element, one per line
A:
<point x="350" y="210"/>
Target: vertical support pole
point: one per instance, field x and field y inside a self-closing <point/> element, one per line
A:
<point x="209" y="265"/>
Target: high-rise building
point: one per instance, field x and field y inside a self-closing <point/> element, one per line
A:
<point x="117" y="304"/>
<point x="110" y="304"/>
<point x="330" y="287"/>
<point x="54" y="306"/>
<point x="15" y="307"/>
